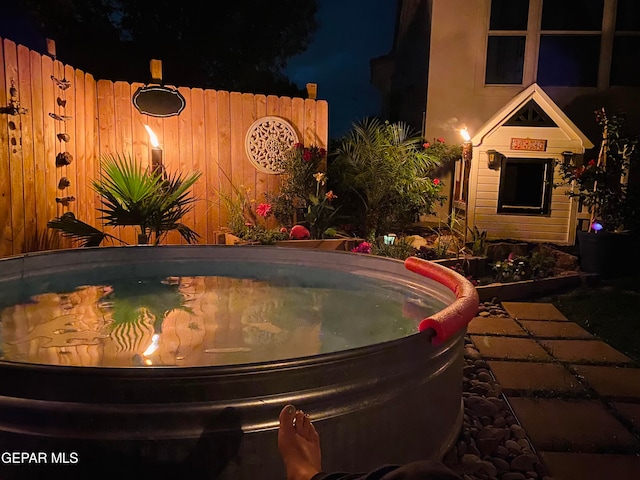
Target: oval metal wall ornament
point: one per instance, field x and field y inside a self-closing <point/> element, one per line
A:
<point x="268" y="140"/>
<point x="158" y="101"/>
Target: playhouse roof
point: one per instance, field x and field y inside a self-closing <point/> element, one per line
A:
<point x="533" y="93"/>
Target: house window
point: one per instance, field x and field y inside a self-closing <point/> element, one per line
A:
<point x="563" y="43"/>
<point x="506" y="43"/>
<point x="569" y="60"/>
<point x="525" y="185"/>
<point x="505" y="58"/>
<point x="626" y="45"/>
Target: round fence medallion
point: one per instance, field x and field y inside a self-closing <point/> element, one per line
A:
<point x="267" y="141"/>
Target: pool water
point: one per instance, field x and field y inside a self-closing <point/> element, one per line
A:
<point x="201" y="314"/>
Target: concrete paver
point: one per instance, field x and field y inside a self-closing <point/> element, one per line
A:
<point x="529" y="376"/>
<point x="533" y="311"/>
<point x="583" y="466"/>
<point x="509" y="348"/>
<point x="495" y="326"/>
<point x="612" y="381"/>
<point x="584" y="351"/>
<point x="554" y="329"/>
<point x="630" y="411"/>
<point x="572" y="425"/>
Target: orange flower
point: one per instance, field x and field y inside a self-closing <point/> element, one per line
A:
<point x="330" y="195"/>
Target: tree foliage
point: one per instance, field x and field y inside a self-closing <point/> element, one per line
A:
<point x="241" y="45"/>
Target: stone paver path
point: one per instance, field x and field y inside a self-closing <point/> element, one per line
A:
<point x="576" y="396"/>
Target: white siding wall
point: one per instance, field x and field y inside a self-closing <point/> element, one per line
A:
<point x="485" y="184"/>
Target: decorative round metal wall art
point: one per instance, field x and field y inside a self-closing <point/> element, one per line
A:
<point x="267" y="142"/>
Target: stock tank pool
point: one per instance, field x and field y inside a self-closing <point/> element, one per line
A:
<point x="175" y="361"/>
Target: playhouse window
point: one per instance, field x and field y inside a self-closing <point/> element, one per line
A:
<point x="525" y="185"/>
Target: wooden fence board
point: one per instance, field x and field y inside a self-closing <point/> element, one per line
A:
<point x="249" y="172"/>
<point x="199" y="156"/>
<point x="37" y="115"/>
<point x="6" y="224"/>
<point x="92" y="148"/>
<point x="124" y="140"/>
<point x="185" y="141"/>
<point x="171" y="147"/>
<point x="15" y="153"/>
<point x="224" y="148"/>
<point x="211" y="177"/>
<point x="106" y="132"/>
<point x="83" y="161"/>
<point x="26" y="145"/>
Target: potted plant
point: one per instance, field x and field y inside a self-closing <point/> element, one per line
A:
<point x="601" y="185"/>
<point x="133" y="196"/>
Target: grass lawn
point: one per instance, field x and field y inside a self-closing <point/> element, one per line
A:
<point x="610" y="310"/>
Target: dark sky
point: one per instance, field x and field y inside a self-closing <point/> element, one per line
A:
<point x="351" y="33"/>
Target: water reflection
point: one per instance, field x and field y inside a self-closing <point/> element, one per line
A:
<point x="199" y="320"/>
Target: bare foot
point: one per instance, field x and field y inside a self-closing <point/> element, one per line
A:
<point x="299" y="444"/>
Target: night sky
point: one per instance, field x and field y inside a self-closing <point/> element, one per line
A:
<point x="351" y="33"/>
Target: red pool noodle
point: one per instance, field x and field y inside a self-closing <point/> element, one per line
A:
<point x="456" y="316"/>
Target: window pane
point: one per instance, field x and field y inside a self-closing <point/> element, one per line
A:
<point x="572" y="14"/>
<point x="509" y="14"/>
<point x="505" y="59"/>
<point x="570" y="61"/>
<point x="628" y="16"/>
<point x="524" y="186"/>
<point x="624" y="61"/>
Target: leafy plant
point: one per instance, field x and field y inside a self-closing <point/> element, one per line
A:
<point x="133" y="196"/>
<point x="320" y="211"/>
<point x="244" y="220"/>
<point x="479" y="240"/>
<point x="384" y="170"/>
<point x="600" y="184"/>
<point x="298" y="184"/>
<point x="400" y="249"/>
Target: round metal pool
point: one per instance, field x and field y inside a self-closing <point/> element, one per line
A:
<point x="171" y="401"/>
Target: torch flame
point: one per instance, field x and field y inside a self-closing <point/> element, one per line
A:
<point x="465" y="134"/>
<point x="152" y="137"/>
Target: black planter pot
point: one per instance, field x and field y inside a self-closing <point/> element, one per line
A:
<point x="604" y="253"/>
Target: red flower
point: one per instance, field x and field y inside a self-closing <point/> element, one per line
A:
<point x="298" y="145"/>
<point x="426" y="145"/>
<point x="283" y="230"/>
<point x="330" y="195"/>
<point x="591" y="163"/>
<point x="440" y="139"/>
<point x="264" y="209"/>
<point x="579" y="172"/>
<point x="322" y="152"/>
<point x="306" y="155"/>
<point x="436" y="181"/>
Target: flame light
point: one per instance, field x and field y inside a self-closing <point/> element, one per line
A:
<point x="465" y="134"/>
<point x="156" y="151"/>
<point x="152" y="137"/>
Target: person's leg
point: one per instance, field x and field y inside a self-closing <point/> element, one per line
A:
<point x="299" y="444"/>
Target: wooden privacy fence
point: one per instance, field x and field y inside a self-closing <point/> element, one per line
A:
<point x="98" y="118"/>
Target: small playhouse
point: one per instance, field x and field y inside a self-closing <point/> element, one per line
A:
<point x="507" y="176"/>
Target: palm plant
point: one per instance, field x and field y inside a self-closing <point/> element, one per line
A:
<point x="385" y="167"/>
<point x="131" y="195"/>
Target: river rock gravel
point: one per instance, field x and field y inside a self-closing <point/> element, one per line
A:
<point x="492" y="445"/>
